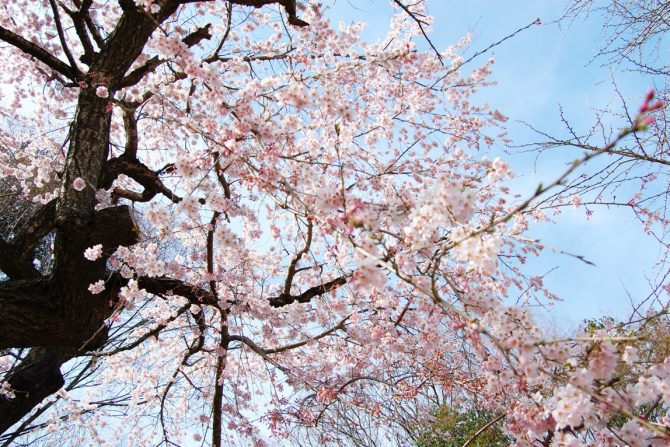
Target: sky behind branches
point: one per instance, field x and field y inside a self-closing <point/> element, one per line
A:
<point x="539" y="72"/>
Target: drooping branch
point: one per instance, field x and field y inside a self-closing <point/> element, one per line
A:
<point x="267" y="351"/>
<point x="146" y="336"/>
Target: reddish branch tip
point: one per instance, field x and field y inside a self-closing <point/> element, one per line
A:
<point x="647" y="106"/>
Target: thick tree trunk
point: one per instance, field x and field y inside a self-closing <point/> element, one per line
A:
<point x="57" y="316"/>
<point x="60" y="311"/>
<point x="30" y="316"/>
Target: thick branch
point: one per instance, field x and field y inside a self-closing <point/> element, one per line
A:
<point x="59" y="311"/>
<point x="83" y="11"/>
<point x="285" y="299"/>
<point x="39" y="53"/>
<point x="30" y="314"/>
<point x="289" y="5"/>
<point x="137" y="171"/>
<point x="15" y="263"/>
<point x="150" y="66"/>
<point x="79" y="20"/>
<point x="130" y="127"/>
<point x="16" y="256"/>
<point x="197" y="295"/>
<point x="38" y="226"/>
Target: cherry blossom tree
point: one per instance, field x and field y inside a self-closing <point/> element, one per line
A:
<point x="239" y="218"/>
<point x="633" y="37"/>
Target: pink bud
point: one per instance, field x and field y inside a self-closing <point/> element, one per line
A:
<point x="458" y="326"/>
<point x="648" y="120"/>
<point x="656" y="106"/>
<point x="650" y="95"/>
<point x="645" y="105"/>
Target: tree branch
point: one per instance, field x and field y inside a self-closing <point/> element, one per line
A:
<point x="79" y="20"/>
<point x="285" y="299"/>
<point x="16" y="256"/>
<point x="289" y="5"/>
<point x="197" y="295"/>
<point x="164" y="285"/>
<point x="40" y="54"/>
<point x="61" y="35"/>
<point x="136" y="170"/>
<point x="338" y="326"/>
<point x="150" y="66"/>
<point x="294" y="262"/>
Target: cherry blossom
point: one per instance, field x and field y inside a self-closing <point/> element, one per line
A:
<point x="298" y="225"/>
<point x="79" y="184"/>
<point x="93" y="253"/>
<point x="102" y="92"/>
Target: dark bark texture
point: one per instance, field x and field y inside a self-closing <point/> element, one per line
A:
<point x="55" y="317"/>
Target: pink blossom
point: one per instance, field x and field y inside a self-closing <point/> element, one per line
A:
<point x="576" y="200"/>
<point x="630" y="355"/>
<point x="79" y="184"/>
<point x="97" y="287"/>
<point x="93" y="253"/>
<point x="102" y="92"/>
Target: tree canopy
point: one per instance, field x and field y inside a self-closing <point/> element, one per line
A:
<point x="232" y="222"/>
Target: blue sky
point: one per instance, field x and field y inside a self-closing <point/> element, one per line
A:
<point x="537" y="71"/>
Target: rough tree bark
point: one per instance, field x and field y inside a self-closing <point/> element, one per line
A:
<point x="56" y="317"/>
